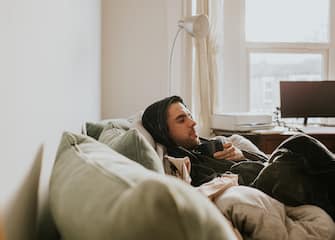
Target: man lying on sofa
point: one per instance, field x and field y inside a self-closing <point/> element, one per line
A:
<point x="171" y="124"/>
<point x="299" y="163"/>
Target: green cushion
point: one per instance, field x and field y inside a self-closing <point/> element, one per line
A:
<point x="110" y="132"/>
<point x="133" y="145"/>
<point x="94" y="129"/>
<point x="96" y="193"/>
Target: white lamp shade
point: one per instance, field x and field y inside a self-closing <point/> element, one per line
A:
<point x="197" y="26"/>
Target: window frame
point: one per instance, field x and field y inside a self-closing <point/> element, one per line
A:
<point x="237" y="52"/>
<point x="324" y="52"/>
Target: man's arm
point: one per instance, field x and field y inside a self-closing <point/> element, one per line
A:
<point x="239" y="148"/>
<point x="230" y="152"/>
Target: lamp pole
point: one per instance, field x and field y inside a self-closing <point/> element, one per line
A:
<point x="198" y="27"/>
<point x="170" y="62"/>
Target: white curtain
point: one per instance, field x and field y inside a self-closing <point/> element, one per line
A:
<point x="206" y="65"/>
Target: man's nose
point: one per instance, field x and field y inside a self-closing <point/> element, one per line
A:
<point x="192" y="122"/>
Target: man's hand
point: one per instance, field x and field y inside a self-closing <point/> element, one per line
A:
<point x="230" y="152"/>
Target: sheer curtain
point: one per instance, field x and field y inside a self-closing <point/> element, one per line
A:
<point x="206" y="64"/>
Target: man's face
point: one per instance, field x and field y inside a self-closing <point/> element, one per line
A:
<point x="181" y="126"/>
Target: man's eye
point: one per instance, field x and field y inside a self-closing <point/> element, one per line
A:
<point x="181" y="120"/>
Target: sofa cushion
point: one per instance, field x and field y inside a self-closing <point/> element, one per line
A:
<point x="133" y="145"/>
<point x="94" y="129"/>
<point x="110" y="132"/>
<point x="137" y="124"/>
<point x="96" y="193"/>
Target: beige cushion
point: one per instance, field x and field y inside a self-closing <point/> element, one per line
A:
<point x="96" y="193"/>
<point x="133" y="145"/>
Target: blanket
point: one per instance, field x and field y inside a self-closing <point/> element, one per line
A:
<point x="256" y="215"/>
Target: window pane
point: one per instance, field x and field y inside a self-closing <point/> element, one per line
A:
<point x="287" y="20"/>
<point x="267" y="69"/>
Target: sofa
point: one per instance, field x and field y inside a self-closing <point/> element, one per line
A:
<point x="108" y="182"/>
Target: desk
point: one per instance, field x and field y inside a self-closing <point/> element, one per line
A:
<point x="268" y="140"/>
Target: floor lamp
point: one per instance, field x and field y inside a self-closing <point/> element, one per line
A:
<point x="197" y="26"/>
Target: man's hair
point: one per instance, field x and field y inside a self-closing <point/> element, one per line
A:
<point x="154" y="120"/>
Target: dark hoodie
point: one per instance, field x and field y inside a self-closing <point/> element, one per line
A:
<point x="203" y="167"/>
<point x="154" y="120"/>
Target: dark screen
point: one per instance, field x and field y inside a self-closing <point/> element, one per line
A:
<point x="307" y="99"/>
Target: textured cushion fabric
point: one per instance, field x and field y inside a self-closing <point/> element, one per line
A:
<point x="94" y="129"/>
<point x="96" y="193"/>
<point x="132" y="145"/>
<point x="110" y="132"/>
<point x="259" y="216"/>
<point x="137" y="124"/>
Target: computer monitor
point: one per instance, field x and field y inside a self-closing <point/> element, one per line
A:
<point x="307" y="99"/>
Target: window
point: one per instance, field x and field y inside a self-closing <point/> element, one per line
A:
<point x="287" y="21"/>
<point x="267" y="69"/>
<point x="266" y="41"/>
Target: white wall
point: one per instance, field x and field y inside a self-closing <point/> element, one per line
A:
<point x="136" y="41"/>
<point x="49" y="82"/>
